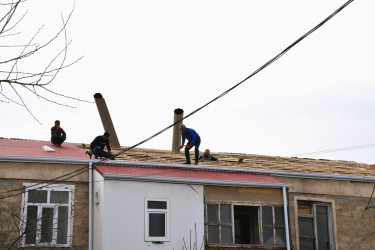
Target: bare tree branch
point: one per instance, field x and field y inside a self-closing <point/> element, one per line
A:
<point x="12" y="72"/>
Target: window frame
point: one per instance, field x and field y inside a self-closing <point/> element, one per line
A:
<point x="156" y="211"/>
<point x="331" y="214"/>
<point x="48" y="204"/>
<point x="260" y="222"/>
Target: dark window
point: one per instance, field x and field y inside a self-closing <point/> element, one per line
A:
<point x="315" y="223"/>
<point x="246" y="226"/>
<point x="37" y="196"/>
<point x="60" y="197"/>
<point x="157" y="217"/>
<point x="62" y="230"/>
<point x="47" y="217"/>
<point x="31" y="222"/>
<point x="251" y="225"/>
<point x="157" y="204"/>
<point x="47" y="225"/>
<point x="156" y="225"/>
<point x="219" y="220"/>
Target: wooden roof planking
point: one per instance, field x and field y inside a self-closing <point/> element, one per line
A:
<point x="291" y="164"/>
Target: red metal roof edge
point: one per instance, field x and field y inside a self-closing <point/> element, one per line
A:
<point x="97" y="168"/>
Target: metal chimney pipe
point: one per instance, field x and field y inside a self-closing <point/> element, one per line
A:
<point x="106" y="120"/>
<point x="176" y="140"/>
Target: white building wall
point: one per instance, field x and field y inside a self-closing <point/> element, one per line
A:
<point x="98" y="211"/>
<point x="124" y="214"/>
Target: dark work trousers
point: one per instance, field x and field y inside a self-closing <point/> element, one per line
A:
<point x="99" y="152"/>
<point x="58" y="140"/>
<point x="187" y="155"/>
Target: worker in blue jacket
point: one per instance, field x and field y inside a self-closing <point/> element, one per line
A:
<point x="194" y="140"/>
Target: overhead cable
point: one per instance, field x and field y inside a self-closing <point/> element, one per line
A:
<point x="205" y="105"/>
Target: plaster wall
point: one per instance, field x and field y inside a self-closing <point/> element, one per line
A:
<point x="329" y="187"/>
<point x="40" y="171"/>
<point x="123" y="213"/>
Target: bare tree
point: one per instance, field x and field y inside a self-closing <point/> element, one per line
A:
<point x="21" y="67"/>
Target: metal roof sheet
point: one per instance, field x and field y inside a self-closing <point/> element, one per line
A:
<point x="10" y="147"/>
<point x="187" y="174"/>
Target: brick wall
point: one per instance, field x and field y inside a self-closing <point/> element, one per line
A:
<point x="10" y="212"/>
<point x="355" y="226"/>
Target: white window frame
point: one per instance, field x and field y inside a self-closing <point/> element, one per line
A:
<point x="55" y="206"/>
<point x="156" y="211"/>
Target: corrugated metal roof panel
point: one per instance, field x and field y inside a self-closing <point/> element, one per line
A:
<point x="31" y="148"/>
<point x="185" y="173"/>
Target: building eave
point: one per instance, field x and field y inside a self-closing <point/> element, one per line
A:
<point x="193" y="181"/>
<point x="285" y="174"/>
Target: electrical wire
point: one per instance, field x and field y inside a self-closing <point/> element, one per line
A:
<point x="335" y="150"/>
<point x="272" y="60"/>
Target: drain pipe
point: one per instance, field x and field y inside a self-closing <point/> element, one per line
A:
<point x="286" y="219"/>
<point x="90" y="206"/>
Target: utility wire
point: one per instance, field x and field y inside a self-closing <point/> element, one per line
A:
<point x="213" y="100"/>
<point x="335" y="150"/>
<point x="248" y="77"/>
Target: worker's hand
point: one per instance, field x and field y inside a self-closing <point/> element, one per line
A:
<point x="182" y="145"/>
<point x="189" y="146"/>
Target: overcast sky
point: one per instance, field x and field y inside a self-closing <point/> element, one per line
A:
<point x="149" y="57"/>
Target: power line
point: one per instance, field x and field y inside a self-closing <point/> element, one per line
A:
<point x="335" y="150"/>
<point x="245" y="79"/>
<point x="268" y="63"/>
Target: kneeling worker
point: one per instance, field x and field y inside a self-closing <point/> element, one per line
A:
<point x="97" y="147"/>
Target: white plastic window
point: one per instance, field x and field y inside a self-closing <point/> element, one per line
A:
<point x="156" y="220"/>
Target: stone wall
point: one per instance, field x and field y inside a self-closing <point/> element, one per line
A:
<point x="355" y="226"/>
<point x="11" y="209"/>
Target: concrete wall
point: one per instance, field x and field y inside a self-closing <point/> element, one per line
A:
<point x="124" y="214"/>
<point x="353" y="225"/>
<point x="14" y="175"/>
<point x="244" y="194"/>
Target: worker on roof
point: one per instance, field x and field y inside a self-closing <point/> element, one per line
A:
<point x="194" y="140"/>
<point x="97" y="147"/>
<point x="207" y="156"/>
<point x="58" y="135"/>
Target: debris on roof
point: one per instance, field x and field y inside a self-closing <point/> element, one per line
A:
<point x="248" y="161"/>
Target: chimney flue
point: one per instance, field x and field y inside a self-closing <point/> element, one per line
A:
<point x="176" y="140"/>
<point x="106" y="120"/>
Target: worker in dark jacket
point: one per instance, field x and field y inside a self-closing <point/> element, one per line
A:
<point x="97" y="147"/>
<point x="207" y="156"/>
<point x="58" y="135"/>
<point x="194" y="140"/>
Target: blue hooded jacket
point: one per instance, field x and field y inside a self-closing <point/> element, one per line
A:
<point x="190" y="135"/>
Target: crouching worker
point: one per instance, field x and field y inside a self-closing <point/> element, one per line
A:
<point x="97" y="147"/>
<point x="194" y="140"/>
<point x="58" y="135"/>
<point x="207" y="156"/>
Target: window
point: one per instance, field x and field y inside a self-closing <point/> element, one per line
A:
<point x="244" y="224"/>
<point x="315" y="225"/>
<point x="47" y="215"/>
<point x="156" y="220"/>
